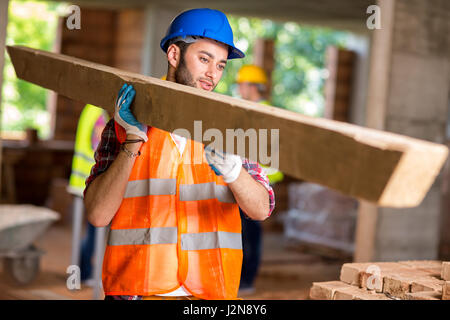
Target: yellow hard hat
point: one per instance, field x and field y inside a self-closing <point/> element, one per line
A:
<point x="252" y="74"/>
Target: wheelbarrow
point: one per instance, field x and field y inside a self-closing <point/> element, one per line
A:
<point x="20" y="226"/>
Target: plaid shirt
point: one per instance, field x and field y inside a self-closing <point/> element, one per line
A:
<point x="109" y="148"/>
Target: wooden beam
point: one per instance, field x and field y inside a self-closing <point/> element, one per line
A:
<point x="384" y="168"/>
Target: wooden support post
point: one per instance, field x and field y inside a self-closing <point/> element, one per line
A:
<point x="264" y="57"/>
<point x="366" y="227"/>
<point x="338" y="87"/>
<point x="3" y="27"/>
<point x="365" y="233"/>
<point x="385" y="168"/>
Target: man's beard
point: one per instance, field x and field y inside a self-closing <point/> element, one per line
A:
<point x="183" y="76"/>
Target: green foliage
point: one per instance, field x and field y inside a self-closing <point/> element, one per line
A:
<point x="33" y="24"/>
<point x="299" y="74"/>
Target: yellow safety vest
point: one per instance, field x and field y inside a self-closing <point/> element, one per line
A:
<point x="83" y="158"/>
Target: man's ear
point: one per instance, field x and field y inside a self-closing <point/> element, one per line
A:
<point x="173" y="55"/>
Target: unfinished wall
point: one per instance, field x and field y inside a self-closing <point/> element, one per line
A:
<point x="95" y="41"/>
<point x="408" y="94"/>
<point x="129" y="40"/>
<point x="109" y="37"/>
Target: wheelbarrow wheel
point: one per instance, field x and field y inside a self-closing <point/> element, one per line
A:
<point x="21" y="270"/>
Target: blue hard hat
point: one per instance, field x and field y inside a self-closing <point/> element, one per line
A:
<point x="207" y="23"/>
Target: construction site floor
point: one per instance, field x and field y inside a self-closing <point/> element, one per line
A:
<point x="284" y="274"/>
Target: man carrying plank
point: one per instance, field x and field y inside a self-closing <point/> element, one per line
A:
<point x="175" y="224"/>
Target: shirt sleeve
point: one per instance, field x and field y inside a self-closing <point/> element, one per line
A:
<point x="255" y="170"/>
<point x="106" y="152"/>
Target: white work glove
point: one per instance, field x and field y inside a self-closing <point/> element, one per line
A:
<point x="123" y="114"/>
<point x="223" y="164"/>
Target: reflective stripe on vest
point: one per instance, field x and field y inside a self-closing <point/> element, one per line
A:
<point x="204" y="191"/>
<point x="211" y="240"/>
<point x="142" y="236"/>
<point x="147" y="187"/>
<point x="84" y="156"/>
<point x="79" y="174"/>
<point x="166" y="235"/>
<point x="188" y="192"/>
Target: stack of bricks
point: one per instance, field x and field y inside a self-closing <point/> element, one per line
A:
<point x="403" y="280"/>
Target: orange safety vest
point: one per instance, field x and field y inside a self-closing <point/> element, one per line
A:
<point x="178" y="224"/>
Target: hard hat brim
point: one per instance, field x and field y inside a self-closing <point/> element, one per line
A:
<point x="233" y="52"/>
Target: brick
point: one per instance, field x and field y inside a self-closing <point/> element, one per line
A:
<point x="432" y="267"/>
<point x="371" y="296"/>
<point x="355" y="293"/>
<point x="446" y="291"/>
<point x="424" y="295"/>
<point x="388" y="269"/>
<point x="325" y="290"/>
<point x="343" y="294"/>
<point x="412" y="274"/>
<point x="427" y="285"/>
<point x="350" y="272"/>
<point x="376" y="281"/>
<point x="445" y="271"/>
<point x="398" y="284"/>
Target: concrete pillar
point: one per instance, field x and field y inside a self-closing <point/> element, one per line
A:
<point x="157" y="20"/>
<point x="3" y="25"/>
<point x="408" y="94"/>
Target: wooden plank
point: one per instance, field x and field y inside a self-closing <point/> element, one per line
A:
<point x="384" y="168"/>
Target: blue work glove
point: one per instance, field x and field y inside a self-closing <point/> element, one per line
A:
<point x="123" y="114"/>
<point x="223" y="164"/>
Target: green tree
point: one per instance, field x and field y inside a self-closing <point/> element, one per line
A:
<point x="33" y="24"/>
<point x="299" y="74"/>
